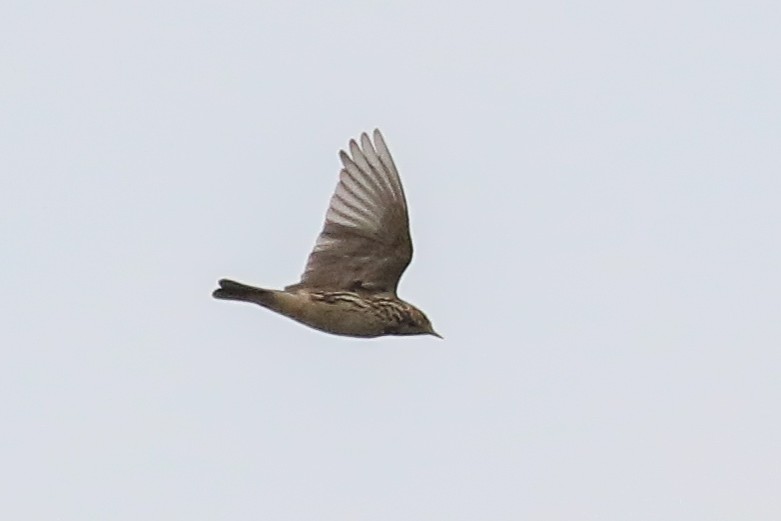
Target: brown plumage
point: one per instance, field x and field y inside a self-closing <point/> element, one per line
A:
<point x="350" y="280"/>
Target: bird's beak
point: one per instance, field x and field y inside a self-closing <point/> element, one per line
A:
<point x="434" y="333"/>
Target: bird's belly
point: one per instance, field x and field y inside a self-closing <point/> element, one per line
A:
<point x="339" y="317"/>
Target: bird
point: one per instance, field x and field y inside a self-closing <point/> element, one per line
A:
<point x="349" y="284"/>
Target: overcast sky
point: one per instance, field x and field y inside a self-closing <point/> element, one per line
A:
<point x="594" y="191"/>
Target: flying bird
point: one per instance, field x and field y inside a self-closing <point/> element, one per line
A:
<point x="349" y="284"/>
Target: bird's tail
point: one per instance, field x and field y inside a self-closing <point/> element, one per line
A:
<point x="232" y="290"/>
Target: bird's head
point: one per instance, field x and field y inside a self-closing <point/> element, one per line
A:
<point x="416" y="323"/>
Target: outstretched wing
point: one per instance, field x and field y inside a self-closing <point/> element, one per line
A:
<point x="365" y="243"/>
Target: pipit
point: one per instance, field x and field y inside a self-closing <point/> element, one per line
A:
<point x="349" y="283"/>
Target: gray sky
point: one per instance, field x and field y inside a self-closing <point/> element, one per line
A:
<point x="594" y="193"/>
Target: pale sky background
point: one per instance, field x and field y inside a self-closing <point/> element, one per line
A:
<point x="595" y="193"/>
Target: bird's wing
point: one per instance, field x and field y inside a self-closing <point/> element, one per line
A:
<point x="365" y="242"/>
